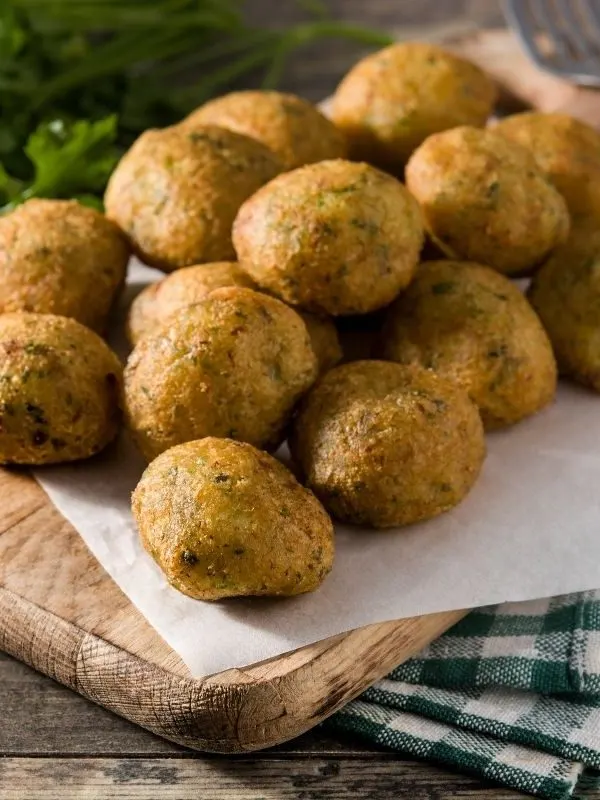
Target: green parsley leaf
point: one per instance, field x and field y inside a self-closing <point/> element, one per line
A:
<point x="69" y="160"/>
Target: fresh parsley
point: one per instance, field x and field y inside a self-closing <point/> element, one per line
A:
<point x="80" y="79"/>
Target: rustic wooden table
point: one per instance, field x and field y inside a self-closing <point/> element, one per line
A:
<point x="54" y="743"/>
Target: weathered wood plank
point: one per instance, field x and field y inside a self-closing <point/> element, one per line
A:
<point x="31" y="704"/>
<point x="229" y="779"/>
<point x="40" y="717"/>
<point x="239" y="710"/>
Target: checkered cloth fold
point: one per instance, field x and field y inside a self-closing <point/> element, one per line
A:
<point x="511" y="693"/>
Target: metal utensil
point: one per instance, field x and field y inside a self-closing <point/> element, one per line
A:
<point x="560" y="36"/>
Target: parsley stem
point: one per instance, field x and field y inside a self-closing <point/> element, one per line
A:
<point x="115" y="56"/>
<point x="74" y="63"/>
<point x="227" y="74"/>
<point x="223" y="48"/>
<point x="320" y="29"/>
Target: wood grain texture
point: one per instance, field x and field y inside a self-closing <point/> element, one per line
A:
<point x="42" y="560"/>
<point x="62" y="614"/>
<point x="240" y="779"/>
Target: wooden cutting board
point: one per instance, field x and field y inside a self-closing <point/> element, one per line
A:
<point x="62" y="614"/>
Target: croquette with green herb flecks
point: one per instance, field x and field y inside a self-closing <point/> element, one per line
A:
<point x="334" y="238"/>
<point x="296" y="131"/>
<point x="385" y="445"/>
<point x="160" y="300"/>
<point x="392" y="100"/>
<point x="60" y="386"/>
<point x="175" y="193"/>
<point x="473" y="326"/>
<point x="566" y="150"/>
<point x="233" y="365"/>
<point x="223" y="519"/>
<point x="565" y="292"/>
<point x="484" y="199"/>
<point x="59" y="257"/>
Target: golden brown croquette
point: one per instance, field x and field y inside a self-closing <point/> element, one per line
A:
<point x="392" y="100"/>
<point x="175" y="193"/>
<point x="59" y="257"/>
<point x="223" y="519"/>
<point x="296" y="131"/>
<point x="385" y="445"/>
<point x="233" y="365"/>
<point x="59" y="390"/>
<point x="474" y="327"/>
<point x="335" y="237"/>
<point x="565" y="292"/>
<point x="484" y="199"/>
<point x="565" y="149"/>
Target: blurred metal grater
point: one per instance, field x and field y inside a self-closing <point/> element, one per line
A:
<point x="560" y="36"/>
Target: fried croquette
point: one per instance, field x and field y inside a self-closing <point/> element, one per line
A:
<point x="334" y="238"/>
<point x="233" y="365"/>
<point x="223" y="519"/>
<point x="385" y="445"/>
<point x="474" y="327"/>
<point x="60" y="390"/>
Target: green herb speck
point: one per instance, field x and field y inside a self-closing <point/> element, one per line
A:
<point x="493" y="194"/>
<point x="34" y="349"/>
<point x="365" y="225"/>
<point x="445" y="287"/>
<point x="275" y="371"/>
<point x="497" y="352"/>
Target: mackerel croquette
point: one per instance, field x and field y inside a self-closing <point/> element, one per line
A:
<point x="185" y="287"/>
<point x="385" y="445"/>
<point x="333" y="238"/>
<point x="175" y="193"/>
<point x="233" y="365"/>
<point x="391" y="101"/>
<point x="565" y="292"/>
<point x="566" y="150"/>
<point x="59" y="390"/>
<point x="474" y="327"/>
<point x="223" y="519"/>
<point x="59" y="257"/>
<point x="296" y="131"/>
<point x="484" y="199"/>
<point x="160" y="301"/>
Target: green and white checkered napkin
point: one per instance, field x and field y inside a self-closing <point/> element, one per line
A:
<point x="512" y="693"/>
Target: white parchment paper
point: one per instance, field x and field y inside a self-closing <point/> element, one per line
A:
<point x="530" y="528"/>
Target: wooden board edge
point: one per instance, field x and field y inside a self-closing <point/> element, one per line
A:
<point x="235" y="711"/>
